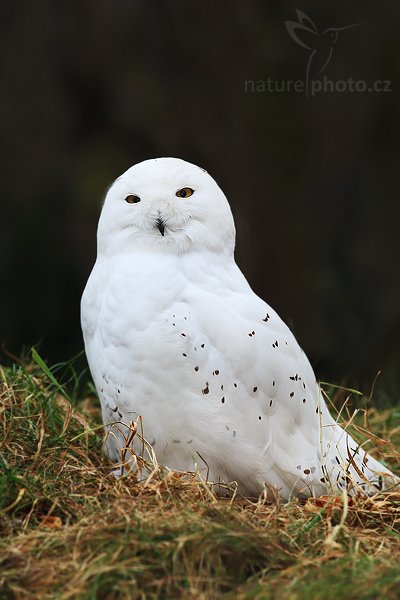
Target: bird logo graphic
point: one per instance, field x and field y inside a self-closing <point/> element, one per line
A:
<point x="320" y="44"/>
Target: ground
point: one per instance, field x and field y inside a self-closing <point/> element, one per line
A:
<point x="70" y="529"/>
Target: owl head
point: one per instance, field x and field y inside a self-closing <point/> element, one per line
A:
<point x="165" y="205"/>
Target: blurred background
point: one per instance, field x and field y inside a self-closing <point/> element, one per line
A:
<point x="89" y="88"/>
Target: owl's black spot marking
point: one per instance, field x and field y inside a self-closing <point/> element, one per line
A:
<point x="234" y="434"/>
<point x="265" y="319"/>
<point x="259" y="418"/>
<point x="304" y="385"/>
<point x="173" y="324"/>
<point x="223" y="399"/>
<point x="291" y="394"/>
<point x="196" y="369"/>
<point x="270" y="402"/>
<point x="115" y="409"/>
<point x="255" y="388"/>
<point x="120" y="415"/>
<point x="337" y="460"/>
<point x="304" y="400"/>
<point x="206" y="390"/>
<point x="273" y="383"/>
<point x="235" y="385"/>
<point x="184" y="354"/>
<point x="216" y="372"/>
<point x="222" y="386"/>
<point x="119" y="391"/>
<point x="183" y="334"/>
<point x="306" y="471"/>
<point x="322" y="480"/>
<point x="299" y="467"/>
<point x="176" y="441"/>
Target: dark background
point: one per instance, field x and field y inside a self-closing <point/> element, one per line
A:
<point x="89" y="88"/>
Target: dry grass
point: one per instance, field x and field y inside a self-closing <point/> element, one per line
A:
<point x="69" y="529"/>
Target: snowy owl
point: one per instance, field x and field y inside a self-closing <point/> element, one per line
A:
<point x="174" y="333"/>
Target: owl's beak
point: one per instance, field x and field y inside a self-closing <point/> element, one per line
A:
<point x="161" y="226"/>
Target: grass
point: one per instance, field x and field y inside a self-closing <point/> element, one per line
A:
<point x="69" y="529"/>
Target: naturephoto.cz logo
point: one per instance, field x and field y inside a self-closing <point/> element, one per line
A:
<point x="319" y="45"/>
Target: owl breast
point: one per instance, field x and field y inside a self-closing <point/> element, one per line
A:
<point x="193" y="356"/>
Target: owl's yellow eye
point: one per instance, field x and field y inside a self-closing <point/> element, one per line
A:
<point x="184" y="192"/>
<point x="132" y="199"/>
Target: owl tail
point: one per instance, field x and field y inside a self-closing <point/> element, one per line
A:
<point x="346" y="465"/>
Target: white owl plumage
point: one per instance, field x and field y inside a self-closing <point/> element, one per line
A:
<point x="174" y="333"/>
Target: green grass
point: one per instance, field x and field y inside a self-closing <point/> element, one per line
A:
<point x="69" y="529"/>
